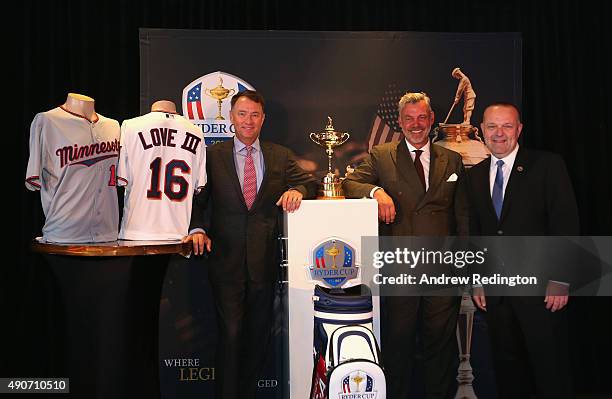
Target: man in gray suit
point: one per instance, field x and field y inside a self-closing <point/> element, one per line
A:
<point x="414" y="183"/>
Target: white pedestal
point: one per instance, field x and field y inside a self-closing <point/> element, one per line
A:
<point x="314" y="222"/>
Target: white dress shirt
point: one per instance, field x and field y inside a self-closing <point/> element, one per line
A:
<point x="506" y="170"/>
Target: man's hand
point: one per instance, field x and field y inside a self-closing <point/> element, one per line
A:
<point x="200" y="241"/>
<point x="556" y="302"/>
<point x="290" y="200"/>
<point x="386" y="208"/>
<point x="557" y="295"/>
<point x="478" y="295"/>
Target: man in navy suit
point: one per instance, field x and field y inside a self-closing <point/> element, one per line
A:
<point x="248" y="180"/>
<point x="521" y="192"/>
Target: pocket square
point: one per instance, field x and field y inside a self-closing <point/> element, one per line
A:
<point x="452" y="177"/>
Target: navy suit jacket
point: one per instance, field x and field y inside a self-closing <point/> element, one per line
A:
<point x="538" y="201"/>
<point x="241" y="236"/>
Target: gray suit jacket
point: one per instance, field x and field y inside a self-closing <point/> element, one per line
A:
<point x="441" y="211"/>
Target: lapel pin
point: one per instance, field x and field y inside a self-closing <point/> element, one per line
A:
<point x="519" y="168"/>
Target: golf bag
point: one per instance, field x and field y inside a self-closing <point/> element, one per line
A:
<point x="347" y="360"/>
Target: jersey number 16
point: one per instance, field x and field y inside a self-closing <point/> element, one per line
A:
<point x="170" y="180"/>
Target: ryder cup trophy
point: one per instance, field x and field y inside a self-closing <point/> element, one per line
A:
<point x="219" y="93"/>
<point x="330" y="139"/>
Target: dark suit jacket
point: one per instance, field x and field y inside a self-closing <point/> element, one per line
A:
<point x="538" y="201"/>
<point x="240" y="236"/>
<point x="440" y="211"/>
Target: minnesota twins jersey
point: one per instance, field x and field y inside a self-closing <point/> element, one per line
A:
<point x="162" y="164"/>
<point x="73" y="163"/>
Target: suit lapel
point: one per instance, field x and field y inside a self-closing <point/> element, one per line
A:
<point x="230" y="166"/>
<point x="514" y="181"/>
<point x="269" y="162"/>
<point x="483" y="186"/>
<point x="437" y="166"/>
<point x="406" y="168"/>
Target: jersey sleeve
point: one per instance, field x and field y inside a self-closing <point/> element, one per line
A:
<point x="34" y="169"/>
<point x="200" y="174"/>
<point x="123" y="171"/>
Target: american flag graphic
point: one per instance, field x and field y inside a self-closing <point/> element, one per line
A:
<point x="194" y="100"/>
<point x="346" y="386"/>
<point x="386" y="127"/>
<point x="358" y="380"/>
<point x="320" y="258"/>
<point x="369" y="384"/>
<point x="348" y="257"/>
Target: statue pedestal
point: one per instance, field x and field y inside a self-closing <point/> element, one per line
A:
<point x="457" y="138"/>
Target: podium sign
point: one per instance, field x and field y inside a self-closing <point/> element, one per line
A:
<point x="323" y="247"/>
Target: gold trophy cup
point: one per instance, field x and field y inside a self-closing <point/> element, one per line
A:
<point x="219" y="93"/>
<point x="330" y="139"/>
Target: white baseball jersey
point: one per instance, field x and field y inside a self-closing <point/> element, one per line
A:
<point x="73" y="163"/>
<point x="162" y="164"/>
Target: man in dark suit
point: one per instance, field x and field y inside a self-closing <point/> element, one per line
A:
<point x="247" y="182"/>
<point x="414" y="183"/>
<point x="520" y="192"/>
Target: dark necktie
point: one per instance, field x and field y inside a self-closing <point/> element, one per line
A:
<point x="249" y="187"/>
<point x="419" y="167"/>
<point x="498" y="189"/>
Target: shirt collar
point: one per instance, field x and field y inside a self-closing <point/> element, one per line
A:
<point x="508" y="159"/>
<point x="412" y="148"/>
<point x="239" y="145"/>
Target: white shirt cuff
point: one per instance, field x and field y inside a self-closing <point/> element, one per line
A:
<point x="374" y="190"/>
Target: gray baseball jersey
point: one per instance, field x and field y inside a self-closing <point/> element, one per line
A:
<point x="162" y="164"/>
<point x="73" y="163"/>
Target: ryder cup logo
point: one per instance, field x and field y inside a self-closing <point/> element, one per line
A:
<point x="206" y="103"/>
<point x="333" y="263"/>
<point x="357" y="385"/>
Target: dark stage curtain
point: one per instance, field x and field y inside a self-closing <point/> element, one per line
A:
<point x="91" y="47"/>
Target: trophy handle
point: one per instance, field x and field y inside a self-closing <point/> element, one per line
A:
<point x="436" y="133"/>
<point x="345" y="136"/>
<point x="231" y="92"/>
<point x="313" y="137"/>
<point x="477" y="135"/>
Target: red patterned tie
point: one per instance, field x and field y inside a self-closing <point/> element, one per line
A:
<point x="249" y="187"/>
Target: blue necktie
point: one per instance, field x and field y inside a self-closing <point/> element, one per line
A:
<point x="498" y="189"/>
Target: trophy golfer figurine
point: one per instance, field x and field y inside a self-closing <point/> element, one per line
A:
<point x="458" y="136"/>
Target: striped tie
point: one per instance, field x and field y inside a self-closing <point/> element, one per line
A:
<point x="249" y="188"/>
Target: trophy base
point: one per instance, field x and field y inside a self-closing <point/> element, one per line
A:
<point x="330" y="190"/>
